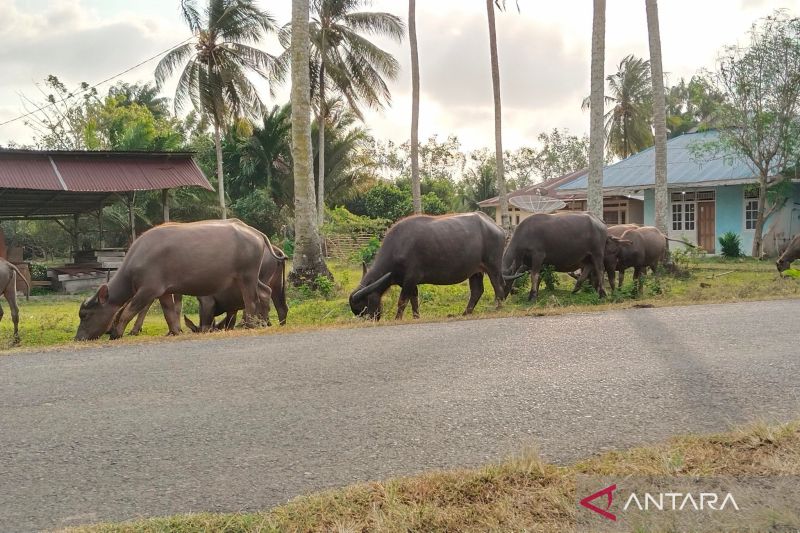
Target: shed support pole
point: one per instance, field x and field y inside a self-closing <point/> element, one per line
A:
<point x="100" y="228"/>
<point x="76" y="235"/>
<point x="3" y="250"/>
<point x="165" y="204"/>
<point x="131" y="216"/>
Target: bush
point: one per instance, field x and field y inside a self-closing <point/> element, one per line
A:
<point x="340" y="221"/>
<point x="550" y="277"/>
<point x="368" y="252"/>
<point x="259" y="210"/>
<point x="731" y="244"/>
<point x="387" y="201"/>
<point x="38" y="272"/>
<point x="433" y="205"/>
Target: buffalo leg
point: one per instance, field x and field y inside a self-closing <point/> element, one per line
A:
<point x="230" y="320"/>
<point x="11" y="296"/>
<point x="249" y="288"/>
<point x="137" y="326"/>
<point x="637" y="279"/>
<point x="610" y="274"/>
<point x="171" y="314"/>
<point x="279" y="302"/>
<point x="138" y="303"/>
<point x="405" y="294"/>
<point x="475" y="291"/>
<point x="597" y="275"/>
<point x="585" y="272"/>
<point x="621" y="277"/>
<point x="415" y="302"/>
<point x="496" y="279"/>
<point x="536" y="280"/>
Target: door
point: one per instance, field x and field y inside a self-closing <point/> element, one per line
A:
<point x="706" y="226"/>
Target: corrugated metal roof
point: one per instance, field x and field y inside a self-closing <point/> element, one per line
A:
<point x="98" y="171"/>
<point x="685" y="166"/>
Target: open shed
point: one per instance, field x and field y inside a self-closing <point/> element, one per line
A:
<point x="59" y="185"/>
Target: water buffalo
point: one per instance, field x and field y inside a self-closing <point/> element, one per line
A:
<point x="792" y="253"/>
<point x="611" y="253"/>
<point x="567" y="241"/>
<point x="272" y="281"/>
<point x="644" y="247"/>
<point x="198" y="259"/>
<point x="8" y="287"/>
<point x="437" y="250"/>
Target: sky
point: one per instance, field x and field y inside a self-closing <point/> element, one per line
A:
<point x="544" y="52"/>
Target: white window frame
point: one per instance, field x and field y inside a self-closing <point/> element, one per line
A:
<point x="746" y="200"/>
<point x="686" y="199"/>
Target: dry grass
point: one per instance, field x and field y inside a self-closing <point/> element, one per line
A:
<point x="522" y="494"/>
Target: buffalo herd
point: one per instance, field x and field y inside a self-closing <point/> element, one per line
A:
<point x="230" y="266"/>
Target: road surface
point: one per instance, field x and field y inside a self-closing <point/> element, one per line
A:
<point x="247" y="423"/>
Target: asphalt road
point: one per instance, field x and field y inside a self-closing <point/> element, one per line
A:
<point x="246" y="423"/>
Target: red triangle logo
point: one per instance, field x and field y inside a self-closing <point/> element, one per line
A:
<point x="609" y="493"/>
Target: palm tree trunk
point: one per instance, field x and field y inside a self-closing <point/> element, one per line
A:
<point x="596" y="131"/>
<point x="498" y="120"/>
<point x="321" y="143"/>
<point x="416" y="194"/>
<point x="220" y="180"/>
<point x="307" y="262"/>
<point x="659" y="115"/>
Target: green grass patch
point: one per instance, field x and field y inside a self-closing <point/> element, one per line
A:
<point x="51" y="320"/>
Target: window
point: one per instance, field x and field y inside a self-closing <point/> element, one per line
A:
<point x="677" y="216"/>
<point x="517" y="220"/>
<point x="751" y="201"/>
<point x="688" y="219"/>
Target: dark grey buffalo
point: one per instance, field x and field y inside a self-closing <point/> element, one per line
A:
<point x="441" y="250"/>
<point x="639" y="249"/>
<point x="198" y="259"/>
<point x="567" y="241"/>
<point x="610" y="254"/>
<point x="271" y="286"/>
<point x="8" y="287"/>
<point x="792" y="253"/>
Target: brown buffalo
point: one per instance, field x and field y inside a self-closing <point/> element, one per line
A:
<point x="272" y="281"/>
<point x="567" y="241"/>
<point x="642" y="248"/>
<point x="436" y="250"/>
<point x="198" y="259"/>
<point x="792" y="253"/>
<point x="8" y="287"/>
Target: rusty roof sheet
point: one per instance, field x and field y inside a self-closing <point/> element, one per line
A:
<point x="98" y="171"/>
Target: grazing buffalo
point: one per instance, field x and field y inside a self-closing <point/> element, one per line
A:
<point x="610" y="253"/>
<point x="8" y="287"/>
<point x="440" y="250"/>
<point x="198" y="259"/>
<point x="792" y="253"/>
<point x="641" y="248"/>
<point x="271" y="285"/>
<point x="567" y="241"/>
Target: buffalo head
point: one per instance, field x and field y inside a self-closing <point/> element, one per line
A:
<point x="365" y="301"/>
<point x="97" y="315"/>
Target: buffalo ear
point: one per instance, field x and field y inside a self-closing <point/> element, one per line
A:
<point x="624" y="242"/>
<point x="102" y="294"/>
<point x="363" y="268"/>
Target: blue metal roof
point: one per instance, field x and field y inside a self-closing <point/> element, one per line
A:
<point x="685" y="166"/>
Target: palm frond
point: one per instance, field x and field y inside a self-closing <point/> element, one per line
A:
<point x="170" y="62"/>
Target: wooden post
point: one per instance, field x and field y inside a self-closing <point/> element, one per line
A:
<point x="165" y="204"/>
<point x="131" y="215"/>
<point x="100" y="228"/>
<point x="76" y="236"/>
<point x="3" y="249"/>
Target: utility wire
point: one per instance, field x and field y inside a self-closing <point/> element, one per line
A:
<point x="89" y="88"/>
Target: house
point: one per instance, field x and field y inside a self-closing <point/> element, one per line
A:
<point x="617" y="208"/>
<point x="710" y="194"/>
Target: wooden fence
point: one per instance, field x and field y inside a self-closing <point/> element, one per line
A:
<point x="343" y="246"/>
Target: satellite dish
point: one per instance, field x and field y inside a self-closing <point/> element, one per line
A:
<point x="534" y="203"/>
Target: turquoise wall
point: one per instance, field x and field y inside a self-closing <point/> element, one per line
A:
<point x="730" y="215"/>
<point x="649" y="207"/>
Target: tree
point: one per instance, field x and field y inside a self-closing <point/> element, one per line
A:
<point x="308" y="263"/>
<point x="498" y="119"/>
<point x="760" y="82"/>
<point x="218" y="62"/>
<point x="659" y="116"/>
<point x="265" y="156"/>
<point x="628" y="124"/>
<point x="594" y="190"/>
<point x="355" y="67"/>
<point x="480" y="181"/>
<point x="385" y="200"/>
<point x="692" y="105"/>
<point x="59" y="122"/>
<point x="560" y="153"/>
<point x="412" y="37"/>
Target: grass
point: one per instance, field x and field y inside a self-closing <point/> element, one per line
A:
<point x="50" y="320"/>
<point x="521" y="494"/>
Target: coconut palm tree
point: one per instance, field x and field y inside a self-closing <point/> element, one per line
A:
<point x="266" y="152"/>
<point x="308" y="262"/>
<point x="498" y="120"/>
<point x="629" y="121"/>
<point x="659" y="115"/>
<point x="216" y="65"/>
<point x="343" y="58"/>
<point x="412" y="37"/>
<point x="594" y="192"/>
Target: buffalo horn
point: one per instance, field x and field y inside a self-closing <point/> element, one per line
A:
<point x="512" y="277"/>
<point x="371" y="287"/>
